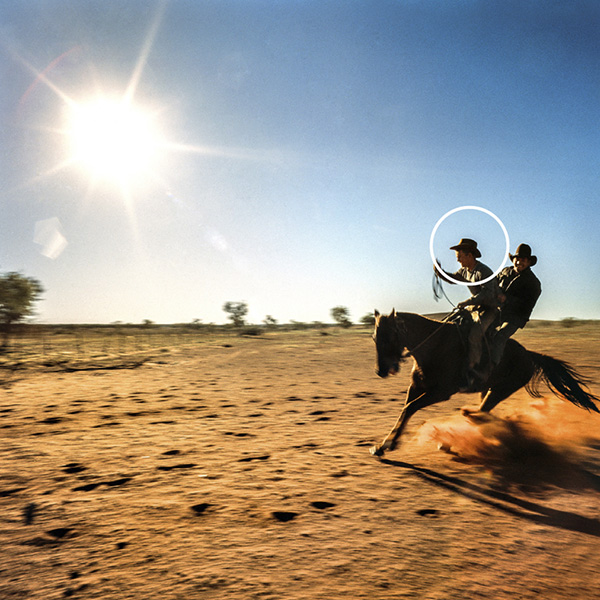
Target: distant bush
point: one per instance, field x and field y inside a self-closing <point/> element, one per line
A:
<point x="538" y="323"/>
<point x="368" y="320"/>
<point x="237" y="312"/>
<point x="570" y="322"/>
<point x="252" y="331"/>
<point x="341" y="315"/>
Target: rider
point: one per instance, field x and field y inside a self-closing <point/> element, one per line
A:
<point x="519" y="292"/>
<point x="482" y="304"/>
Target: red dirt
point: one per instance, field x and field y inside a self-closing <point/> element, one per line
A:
<point x="243" y="472"/>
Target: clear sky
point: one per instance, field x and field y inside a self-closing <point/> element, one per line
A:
<point x="295" y="155"/>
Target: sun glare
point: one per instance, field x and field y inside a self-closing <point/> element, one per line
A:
<point x="114" y="140"/>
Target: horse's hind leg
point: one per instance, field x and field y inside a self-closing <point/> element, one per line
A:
<point x="512" y="376"/>
<point x="499" y="392"/>
<point x="490" y="400"/>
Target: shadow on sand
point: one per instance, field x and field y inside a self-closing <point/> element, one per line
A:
<point x="506" y="502"/>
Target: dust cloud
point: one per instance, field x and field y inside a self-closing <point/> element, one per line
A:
<point x="536" y="446"/>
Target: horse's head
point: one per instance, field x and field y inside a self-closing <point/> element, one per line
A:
<point x="389" y="342"/>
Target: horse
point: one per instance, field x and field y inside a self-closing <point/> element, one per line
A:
<point x="439" y="353"/>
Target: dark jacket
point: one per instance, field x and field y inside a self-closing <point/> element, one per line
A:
<point x="522" y="291"/>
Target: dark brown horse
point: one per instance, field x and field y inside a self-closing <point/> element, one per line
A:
<point x="439" y="355"/>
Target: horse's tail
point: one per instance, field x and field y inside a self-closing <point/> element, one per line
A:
<point x="562" y="379"/>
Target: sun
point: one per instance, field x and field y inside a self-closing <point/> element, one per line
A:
<point x="113" y="139"/>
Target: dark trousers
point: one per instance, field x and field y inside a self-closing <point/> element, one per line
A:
<point x="501" y="336"/>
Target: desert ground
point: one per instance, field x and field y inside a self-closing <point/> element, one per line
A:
<point x="239" y="467"/>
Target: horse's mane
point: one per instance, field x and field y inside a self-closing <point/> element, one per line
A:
<point x="417" y="317"/>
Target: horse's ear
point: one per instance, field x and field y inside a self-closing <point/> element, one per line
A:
<point x="376" y="314"/>
<point x="393" y="313"/>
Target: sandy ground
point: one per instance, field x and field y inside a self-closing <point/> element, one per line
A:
<point x="241" y="470"/>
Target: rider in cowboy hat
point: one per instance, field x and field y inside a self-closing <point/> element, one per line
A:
<point x="519" y="291"/>
<point x="482" y="303"/>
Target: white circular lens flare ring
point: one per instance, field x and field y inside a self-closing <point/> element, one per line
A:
<point x="487" y="212"/>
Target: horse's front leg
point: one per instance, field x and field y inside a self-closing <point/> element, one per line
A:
<point x="415" y="399"/>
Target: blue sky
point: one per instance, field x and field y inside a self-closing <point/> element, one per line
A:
<point x="308" y="150"/>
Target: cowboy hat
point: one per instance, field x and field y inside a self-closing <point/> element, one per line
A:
<point x="467" y="245"/>
<point x="524" y="251"/>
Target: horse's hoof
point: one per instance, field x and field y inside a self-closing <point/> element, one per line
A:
<point x="442" y="447"/>
<point x="477" y="416"/>
<point x="376" y="450"/>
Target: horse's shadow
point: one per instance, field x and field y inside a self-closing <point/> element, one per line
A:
<point x="506" y="502"/>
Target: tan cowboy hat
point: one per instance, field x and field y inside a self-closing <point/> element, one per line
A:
<point x="524" y="251"/>
<point x="468" y="246"/>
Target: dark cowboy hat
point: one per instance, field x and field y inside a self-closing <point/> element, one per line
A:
<point x="524" y="251"/>
<point x="468" y="246"/>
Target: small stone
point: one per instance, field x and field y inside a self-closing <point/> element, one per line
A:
<point x="322" y="505"/>
<point x="59" y="532"/>
<point x="284" y="516"/>
<point x="29" y="513"/>
<point x="201" y="508"/>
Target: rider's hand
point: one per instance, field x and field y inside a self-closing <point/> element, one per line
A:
<point x="462" y="305"/>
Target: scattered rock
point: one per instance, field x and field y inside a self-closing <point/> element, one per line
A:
<point x="201" y="508"/>
<point x="340" y="474"/>
<point x="52" y="420"/>
<point x="181" y="466"/>
<point x="73" y="468"/>
<point x="322" y="505"/>
<point x="59" y="532"/>
<point x="115" y="482"/>
<point x="72" y="591"/>
<point x="307" y="445"/>
<point x="88" y="487"/>
<point x="10" y="492"/>
<point x="41" y="541"/>
<point x="29" y="513"/>
<point x="428" y="512"/>
<point x="251" y="458"/>
<point x="284" y="516"/>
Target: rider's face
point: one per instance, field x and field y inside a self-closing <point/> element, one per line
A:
<point x="464" y="258"/>
<point x="521" y="263"/>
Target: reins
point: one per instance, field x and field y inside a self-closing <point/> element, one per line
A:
<point x="438" y="290"/>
